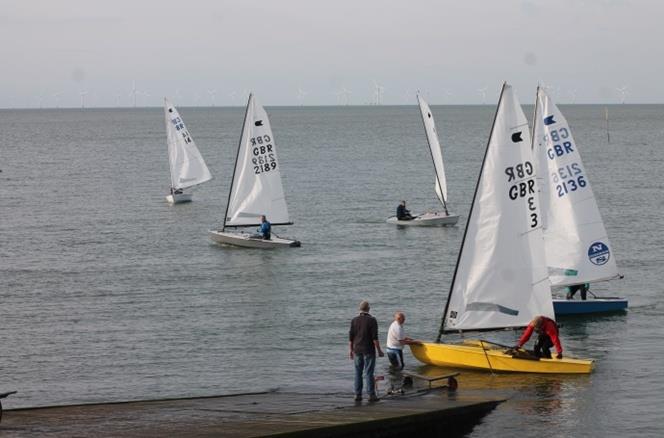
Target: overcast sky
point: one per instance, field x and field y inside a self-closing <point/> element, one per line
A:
<point x="214" y="51"/>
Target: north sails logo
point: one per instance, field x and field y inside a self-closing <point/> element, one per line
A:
<point x="516" y="137"/>
<point x="598" y="253"/>
<point x="549" y="120"/>
<point x="258" y="123"/>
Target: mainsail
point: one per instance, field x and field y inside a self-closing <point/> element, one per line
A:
<point x="256" y="188"/>
<point x="436" y="153"/>
<point x="577" y="246"/>
<point x="501" y="277"/>
<point x="187" y="166"/>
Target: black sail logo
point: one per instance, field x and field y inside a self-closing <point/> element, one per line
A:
<point x="258" y="123"/>
<point x="516" y="137"/>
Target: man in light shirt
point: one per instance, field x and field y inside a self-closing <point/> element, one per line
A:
<point x="396" y="339"/>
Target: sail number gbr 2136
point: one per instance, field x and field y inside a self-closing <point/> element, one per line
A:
<point x="522" y="179"/>
<point x="262" y="152"/>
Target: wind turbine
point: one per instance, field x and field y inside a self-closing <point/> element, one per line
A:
<point x="623" y="93"/>
<point x="134" y="93"/>
<point x="379" y="90"/>
<point x="213" y="94"/>
<point x="300" y="96"/>
<point x="447" y="92"/>
<point x="144" y="94"/>
<point x="56" y="98"/>
<point x="343" y="96"/>
<point x="573" y="95"/>
<point x="233" y="96"/>
<point x="482" y="92"/>
<point x="83" y="93"/>
<point x="117" y="98"/>
<point x="550" y="89"/>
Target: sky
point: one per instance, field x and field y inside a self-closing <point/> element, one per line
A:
<point x="213" y="52"/>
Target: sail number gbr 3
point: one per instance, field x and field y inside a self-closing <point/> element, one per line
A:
<point x="522" y="177"/>
<point x="263" y="154"/>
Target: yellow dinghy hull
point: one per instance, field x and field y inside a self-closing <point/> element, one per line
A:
<point x="482" y="355"/>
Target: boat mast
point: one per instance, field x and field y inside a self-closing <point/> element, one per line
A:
<point x="168" y="146"/>
<point x="237" y="155"/>
<point x="532" y="132"/>
<point x="430" y="152"/>
<point x="470" y="214"/>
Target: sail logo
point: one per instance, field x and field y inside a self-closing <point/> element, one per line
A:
<point x="549" y="121"/>
<point x="598" y="253"/>
<point x="258" y="123"/>
<point x="516" y="137"/>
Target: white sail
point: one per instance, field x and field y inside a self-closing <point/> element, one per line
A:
<point x="187" y="165"/>
<point x="434" y="146"/>
<point x="256" y="188"/>
<point x="577" y="247"/>
<point x="501" y="277"/>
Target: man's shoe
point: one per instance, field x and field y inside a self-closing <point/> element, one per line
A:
<point x="373" y="398"/>
<point x="358" y="398"/>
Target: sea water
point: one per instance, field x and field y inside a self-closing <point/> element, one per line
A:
<point x="109" y="293"/>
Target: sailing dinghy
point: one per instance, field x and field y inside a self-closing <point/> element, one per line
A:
<point x="187" y="166"/>
<point x="256" y="188"/>
<point x="577" y="246"/>
<point x="432" y="218"/>
<point x="500" y="280"/>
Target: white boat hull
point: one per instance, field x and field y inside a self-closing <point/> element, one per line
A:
<point x="247" y="240"/>
<point x="179" y="198"/>
<point x="427" y="220"/>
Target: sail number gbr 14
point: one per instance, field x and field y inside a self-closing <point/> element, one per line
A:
<point x="523" y="175"/>
<point x="263" y="154"/>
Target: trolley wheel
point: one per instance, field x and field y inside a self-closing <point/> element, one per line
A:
<point x="452" y="384"/>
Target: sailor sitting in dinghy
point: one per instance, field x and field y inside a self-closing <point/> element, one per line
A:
<point x="266" y="228"/>
<point x="402" y="213"/>
<point x="547" y="331"/>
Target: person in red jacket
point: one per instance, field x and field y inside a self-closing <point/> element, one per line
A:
<point x="547" y="331"/>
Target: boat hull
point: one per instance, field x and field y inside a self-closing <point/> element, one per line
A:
<point x="246" y="240"/>
<point x="590" y="306"/>
<point x="179" y="198"/>
<point x="478" y="355"/>
<point x="427" y="220"/>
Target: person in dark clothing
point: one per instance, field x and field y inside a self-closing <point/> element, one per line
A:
<point x="573" y="289"/>
<point x="363" y="345"/>
<point x="402" y="213"/>
<point x="547" y="331"/>
<point x="266" y="228"/>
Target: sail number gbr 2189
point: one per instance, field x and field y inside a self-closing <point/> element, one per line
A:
<point x="262" y="152"/>
<point x="522" y="179"/>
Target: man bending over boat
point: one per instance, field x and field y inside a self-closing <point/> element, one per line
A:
<point x="396" y="339"/>
<point x="547" y="331"/>
<point x="402" y="213"/>
<point x="573" y="289"/>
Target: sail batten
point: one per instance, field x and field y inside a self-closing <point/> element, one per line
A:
<point x="187" y="166"/>
<point x="498" y="278"/>
<point x="578" y="249"/>
<point x="256" y="188"/>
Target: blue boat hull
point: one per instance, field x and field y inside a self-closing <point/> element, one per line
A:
<point x="590" y="306"/>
